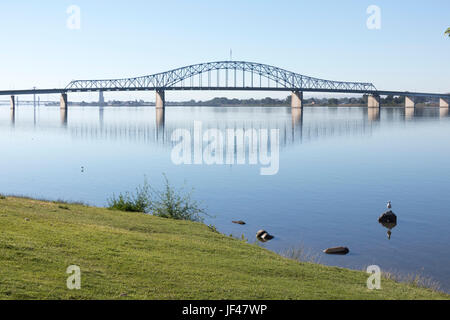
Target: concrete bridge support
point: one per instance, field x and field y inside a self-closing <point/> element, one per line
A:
<point x="444" y="102"/>
<point x="63" y="101"/>
<point x="160" y="99"/>
<point x="13" y="102"/>
<point x="410" y="102"/>
<point x="297" y="99"/>
<point x="373" y="101"/>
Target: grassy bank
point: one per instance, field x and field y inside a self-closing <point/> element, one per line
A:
<point x="136" y="256"/>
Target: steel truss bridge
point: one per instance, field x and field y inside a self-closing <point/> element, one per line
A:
<point x="224" y="75"/>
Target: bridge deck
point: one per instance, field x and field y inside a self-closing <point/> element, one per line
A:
<point x="377" y="92"/>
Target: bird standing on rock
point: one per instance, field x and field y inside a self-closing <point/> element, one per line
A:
<point x="388" y="219"/>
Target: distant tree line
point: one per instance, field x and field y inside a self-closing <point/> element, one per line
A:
<point x="352" y="101"/>
<point x="388" y="100"/>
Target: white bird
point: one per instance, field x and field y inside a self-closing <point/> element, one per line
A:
<point x="389" y="205"/>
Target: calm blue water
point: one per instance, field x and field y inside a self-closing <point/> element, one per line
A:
<point x="337" y="169"/>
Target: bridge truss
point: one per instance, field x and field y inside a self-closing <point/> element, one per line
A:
<point x="223" y="75"/>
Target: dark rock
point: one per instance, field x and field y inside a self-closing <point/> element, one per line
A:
<point x="239" y="222"/>
<point x="260" y="233"/>
<point x="337" y="250"/>
<point x="267" y="237"/>
<point x="264" y="236"/>
<point x="389" y="225"/>
<point x="388" y="217"/>
<point x="389" y="221"/>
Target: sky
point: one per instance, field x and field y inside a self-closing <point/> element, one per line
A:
<point x="324" y="39"/>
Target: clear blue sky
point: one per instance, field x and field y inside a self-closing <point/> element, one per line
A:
<point x="326" y="39"/>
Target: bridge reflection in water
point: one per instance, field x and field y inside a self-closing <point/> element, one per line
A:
<point x="13" y="116"/>
<point x="296" y="125"/>
<point x="291" y="131"/>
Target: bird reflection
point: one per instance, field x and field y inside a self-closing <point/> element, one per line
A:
<point x="389" y="226"/>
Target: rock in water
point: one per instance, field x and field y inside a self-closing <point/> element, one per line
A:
<point x="263" y="236"/>
<point x="389" y="221"/>
<point x="260" y="233"/>
<point x="267" y="237"/>
<point x="337" y="250"/>
<point x="388" y="217"/>
<point x="239" y="222"/>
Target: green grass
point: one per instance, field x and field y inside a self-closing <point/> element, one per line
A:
<point x="125" y="255"/>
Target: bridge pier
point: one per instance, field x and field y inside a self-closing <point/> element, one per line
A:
<point x="410" y="102"/>
<point x="63" y="101"/>
<point x="373" y="101"/>
<point x="444" y="102"/>
<point x="160" y="99"/>
<point x="297" y="99"/>
<point x="13" y="102"/>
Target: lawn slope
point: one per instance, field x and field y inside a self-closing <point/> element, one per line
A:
<point x="136" y="256"/>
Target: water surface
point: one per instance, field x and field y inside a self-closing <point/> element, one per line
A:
<point x="337" y="169"/>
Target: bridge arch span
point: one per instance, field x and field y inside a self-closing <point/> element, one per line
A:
<point x="226" y="75"/>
